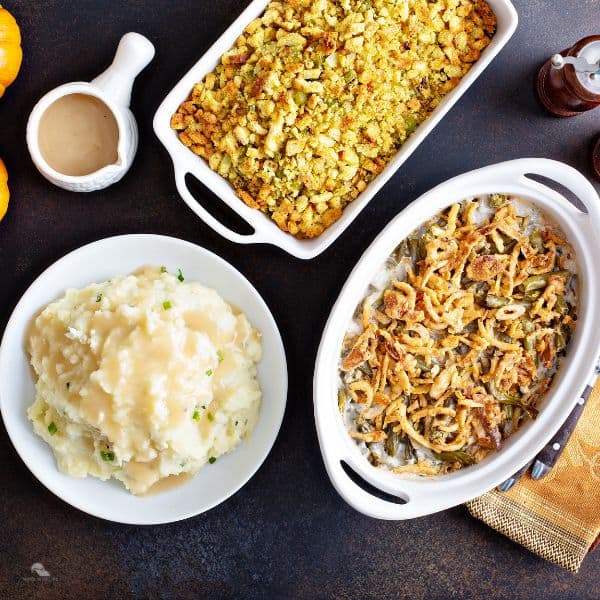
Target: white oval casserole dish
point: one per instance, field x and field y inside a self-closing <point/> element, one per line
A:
<point x="265" y="230"/>
<point x="425" y="496"/>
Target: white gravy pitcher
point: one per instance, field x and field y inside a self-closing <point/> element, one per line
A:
<point x="112" y="88"/>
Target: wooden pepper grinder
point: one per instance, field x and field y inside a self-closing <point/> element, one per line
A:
<point x="568" y="84"/>
<point x="596" y="157"/>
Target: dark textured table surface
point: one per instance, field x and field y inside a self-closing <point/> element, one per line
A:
<point x="286" y="534"/>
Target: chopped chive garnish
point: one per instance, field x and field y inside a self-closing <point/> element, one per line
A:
<point x="196" y="416"/>
<point x="107" y="456"/>
<point x="212" y="460"/>
<point x="52" y="429"/>
<point x="220" y="355"/>
<point x="163" y="269"/>
<point x="98" y="297"/>
<point x="209" y="372"/>
<point x="210" y="416"/>
<point x="204" y="407"/>
<point x="167" y="305"/>
<point x="236" y="423"/>
<point x="180" y="275"/>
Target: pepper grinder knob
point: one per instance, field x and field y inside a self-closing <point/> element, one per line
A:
<point x="580" y="64"/>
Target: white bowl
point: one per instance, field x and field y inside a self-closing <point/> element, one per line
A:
<point x="423" y="496"/>
<point x="265" y="230"/>
<point x="100" y="261"/>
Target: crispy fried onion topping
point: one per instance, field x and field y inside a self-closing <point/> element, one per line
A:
<point x="451" y="358"/>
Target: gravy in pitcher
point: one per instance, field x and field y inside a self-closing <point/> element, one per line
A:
<point x="78" y="135"/>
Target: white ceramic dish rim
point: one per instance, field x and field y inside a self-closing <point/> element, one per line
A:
<point x="426" y="496"/>
<point x="265" y="230"/>
<point x="109" y="500"/>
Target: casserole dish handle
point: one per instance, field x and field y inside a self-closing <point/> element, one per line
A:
<point x="232" y="236"/>
<point x="366" y="502"/>
<point x="561" y="173"/>
<point x="404" y="500"/>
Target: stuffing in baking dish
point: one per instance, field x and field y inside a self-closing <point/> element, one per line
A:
<point x="318" y="95"/>
<point x="460" y="338"/>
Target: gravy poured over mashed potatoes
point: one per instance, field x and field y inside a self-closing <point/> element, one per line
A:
<point x="143" y="377"/>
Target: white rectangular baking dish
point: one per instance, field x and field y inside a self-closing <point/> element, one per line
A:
<point x="427" y="495"/>
<point x="265" y="230"/>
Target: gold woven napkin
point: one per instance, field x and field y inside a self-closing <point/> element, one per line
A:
<point x="557" y="517"/>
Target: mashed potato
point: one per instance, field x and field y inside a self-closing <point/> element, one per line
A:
<point x="143" y="377"/>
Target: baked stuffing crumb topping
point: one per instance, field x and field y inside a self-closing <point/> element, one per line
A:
<point x="318" y="95"/>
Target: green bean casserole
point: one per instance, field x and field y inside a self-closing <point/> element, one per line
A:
<point x="452" y="353"/>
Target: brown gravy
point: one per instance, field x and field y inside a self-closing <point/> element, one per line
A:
<point x="78" y="135"/>
<point x="168" y="483"/>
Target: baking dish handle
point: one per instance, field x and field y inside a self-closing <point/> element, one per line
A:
<point x="363" y="501"/>
<point x="567" y="176"/>
<point x="232" y="236"/>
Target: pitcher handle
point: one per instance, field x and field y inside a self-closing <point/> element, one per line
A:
<point x="133" y="54"/>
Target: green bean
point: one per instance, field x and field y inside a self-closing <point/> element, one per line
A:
<point x="422" y="364"/>
<point x="409" y="450"/>
<point x="508" y="411"/>
<point x="492" y="301"/>
<point x="392" y="443"/>
<point x="497" y="200"/>
<point x="532" y="295"/>
<point x="458" y="455"/>
<point x="363" y="425"/>
<point x="537" y="241"/>
<point x="535" y="282"/>
<point x="417" y="248"/>
<point x="504" y="337"/>
<point x="528" y="325"/>
<point x="503" y="397"/>
<point x="403" y="249"/>
<point x="366" y="370"/>
<point x="413" y="247"/>
<point x="560" y="340"/>
<point x="469" y="328"/>
<point x="478" y="290"/>
<point x="530" y="410"/>
<point x="565" y="274"/>
<point x="341" y="400"/>
<point x="511" y="400"/>
<point x="561" y="305"/>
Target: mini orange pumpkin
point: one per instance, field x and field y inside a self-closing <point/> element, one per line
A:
<point x="11" y="54"/>
<point x="4" y="193"/>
